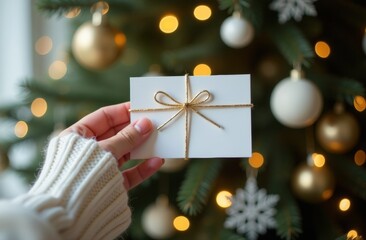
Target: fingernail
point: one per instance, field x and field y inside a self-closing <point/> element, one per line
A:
<point x="143" y="125"/>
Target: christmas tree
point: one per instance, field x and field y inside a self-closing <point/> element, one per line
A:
<point x="307" y="61"/>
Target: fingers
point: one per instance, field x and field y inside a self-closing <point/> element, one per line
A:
<point x="134" y="176"/>
<point x="103" y="123"/>
<point x="128" y="138"/>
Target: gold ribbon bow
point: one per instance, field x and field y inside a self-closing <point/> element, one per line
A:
<point x="196" y="102"/>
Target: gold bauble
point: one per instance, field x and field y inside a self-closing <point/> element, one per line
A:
<point x="338" y="131"/>
<point x="313" y="184"/>
<point x="97" y="46"/>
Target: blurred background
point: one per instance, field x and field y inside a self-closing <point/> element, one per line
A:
<point x="306" y="179"/>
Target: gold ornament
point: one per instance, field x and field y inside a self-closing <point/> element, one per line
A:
<point x="313" y="184"/>
<point x="97" y="45"/>
<point x="338" y="131"/>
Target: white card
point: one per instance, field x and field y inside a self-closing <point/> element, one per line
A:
<point x="204" y="139"/>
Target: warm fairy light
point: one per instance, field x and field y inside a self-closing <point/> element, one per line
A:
<point x="202" y="12"/>
<point x="181" y="223"/>
<point x="344" y="204"/>
<point x="352" y="234"/>
<point x="168" y="24"/>
<point x="73" y="12"/>
<point x="359" y="103"/>
<point x="322" y="49"/>
<point x="223" y="199"/>
<point x="100" y="5"/>
<point x="319" y="160"/>
<point x="120" y="39"/>
<point x="202" y="70"/>
<point x="21" y="129"/>
<point x="43" y="45"/>
<point x="39" y="107"/>
<point x="256" y="160"/>
<point x="57" y="70"/>
<point x="360" y="157"/>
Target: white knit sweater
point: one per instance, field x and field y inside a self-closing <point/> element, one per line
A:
<point x="79" y="194"/>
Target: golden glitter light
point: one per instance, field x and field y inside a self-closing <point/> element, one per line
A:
<point x="181" y="223"/>
<point x="319" y="160"/>
<point x="360" y="157"/>
<point x="344" y="204"/>
<point x="168" y="24"/>
<point x="57" y="70"/>
<point x="223" y="199"/>
<point x="43" y="45"/>
<point x="322" y="49"/>
<point x="202" y="12"/>
<point x="202" y="70"/>
<point x="256" y="160"/>
<point x="39" y="107"/>
<point x="21" y="129"/>
<point x="359" y="103"/>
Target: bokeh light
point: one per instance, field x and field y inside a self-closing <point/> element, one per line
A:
<point x="181" y="223"/>
<point x="352" y="234"/>
<point x="359" y="103"/>
<point x="256" y="160"/>
<point x="21" y="129"/>
<point x="344" y="204"/>
<point x="39" y="107"/>
<point x="168" y="24"/>
<point x="322" y="49"/>
<point x="57" y="70"/>
<point x="223" y="199"/>
<point x="202" y="12"/>
<point x="43" y="45"/>
<point x="318" y="160"/>
<point x="202" y="70"/>
<point x="73" y="12"/>
<point x="120" y="39"/>
<point x="360" y="157"/>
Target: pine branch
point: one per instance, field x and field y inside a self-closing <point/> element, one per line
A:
<point x="288" y="220"/>
<point x="194" y="191"/>
<point x="229" y="235"/>
<point x="349" y="88"/>
<point x="291" y="43"/>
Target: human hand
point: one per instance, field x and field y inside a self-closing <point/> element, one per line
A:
<point x="112" y="129"/>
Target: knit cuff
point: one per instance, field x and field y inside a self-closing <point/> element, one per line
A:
<point x="80" y="190"/>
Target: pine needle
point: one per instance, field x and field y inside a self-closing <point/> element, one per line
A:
<point x="288" y="221"/>
<point x="194" y="191"/>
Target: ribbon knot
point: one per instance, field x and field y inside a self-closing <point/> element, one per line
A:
<point x="198" y="101"/>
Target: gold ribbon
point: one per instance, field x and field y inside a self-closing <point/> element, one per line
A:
<point x="197" y="101"/>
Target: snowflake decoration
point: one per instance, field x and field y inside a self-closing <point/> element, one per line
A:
<point x="252" y="210"/>
<point x="293" y="8"/>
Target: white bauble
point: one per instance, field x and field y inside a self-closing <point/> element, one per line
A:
<point x="173" y="164"/>
<point x="296" y="102"/>
<point x="236" y="32"/>
<point x="157" y="219"/>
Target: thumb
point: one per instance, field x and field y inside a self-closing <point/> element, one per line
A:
<point x="128" y="138"/>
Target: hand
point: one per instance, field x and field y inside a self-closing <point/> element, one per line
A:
<point x="111" y="127"/>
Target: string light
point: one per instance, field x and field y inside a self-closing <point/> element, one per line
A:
<point x="202" y="12"/>
<point x="57" y="70"/>
<point x="360" y="157"/>
<point x="43" y="45"/>
<point x="322" y="49"/>
<point x="39" y="107"/>
<point x="21" y="129"/>
<point x="359" y="103"/>
<point x="181" y="223"/>
<point x="344" y="204"/>
<point x="168" y="24"/>
<point x="73" y="12"/>
<point x="256" y="160"/>
<point x="202" y="70"/>
<point x="223" y="199"/>
<point x="318" y="160"/>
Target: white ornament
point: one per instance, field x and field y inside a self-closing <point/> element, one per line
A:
<point x="293" y="8"/>
<point x="157" y="219"/>
<point x="236" y="32"/>
<point x="296" y="102"/>
<point x="252" y="210"/>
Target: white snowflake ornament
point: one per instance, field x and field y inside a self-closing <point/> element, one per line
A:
<point x="252" y="210"/>
<point x="293" y="8"/>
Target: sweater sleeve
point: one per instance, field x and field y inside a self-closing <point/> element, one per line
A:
<point x="79" y="192"/>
